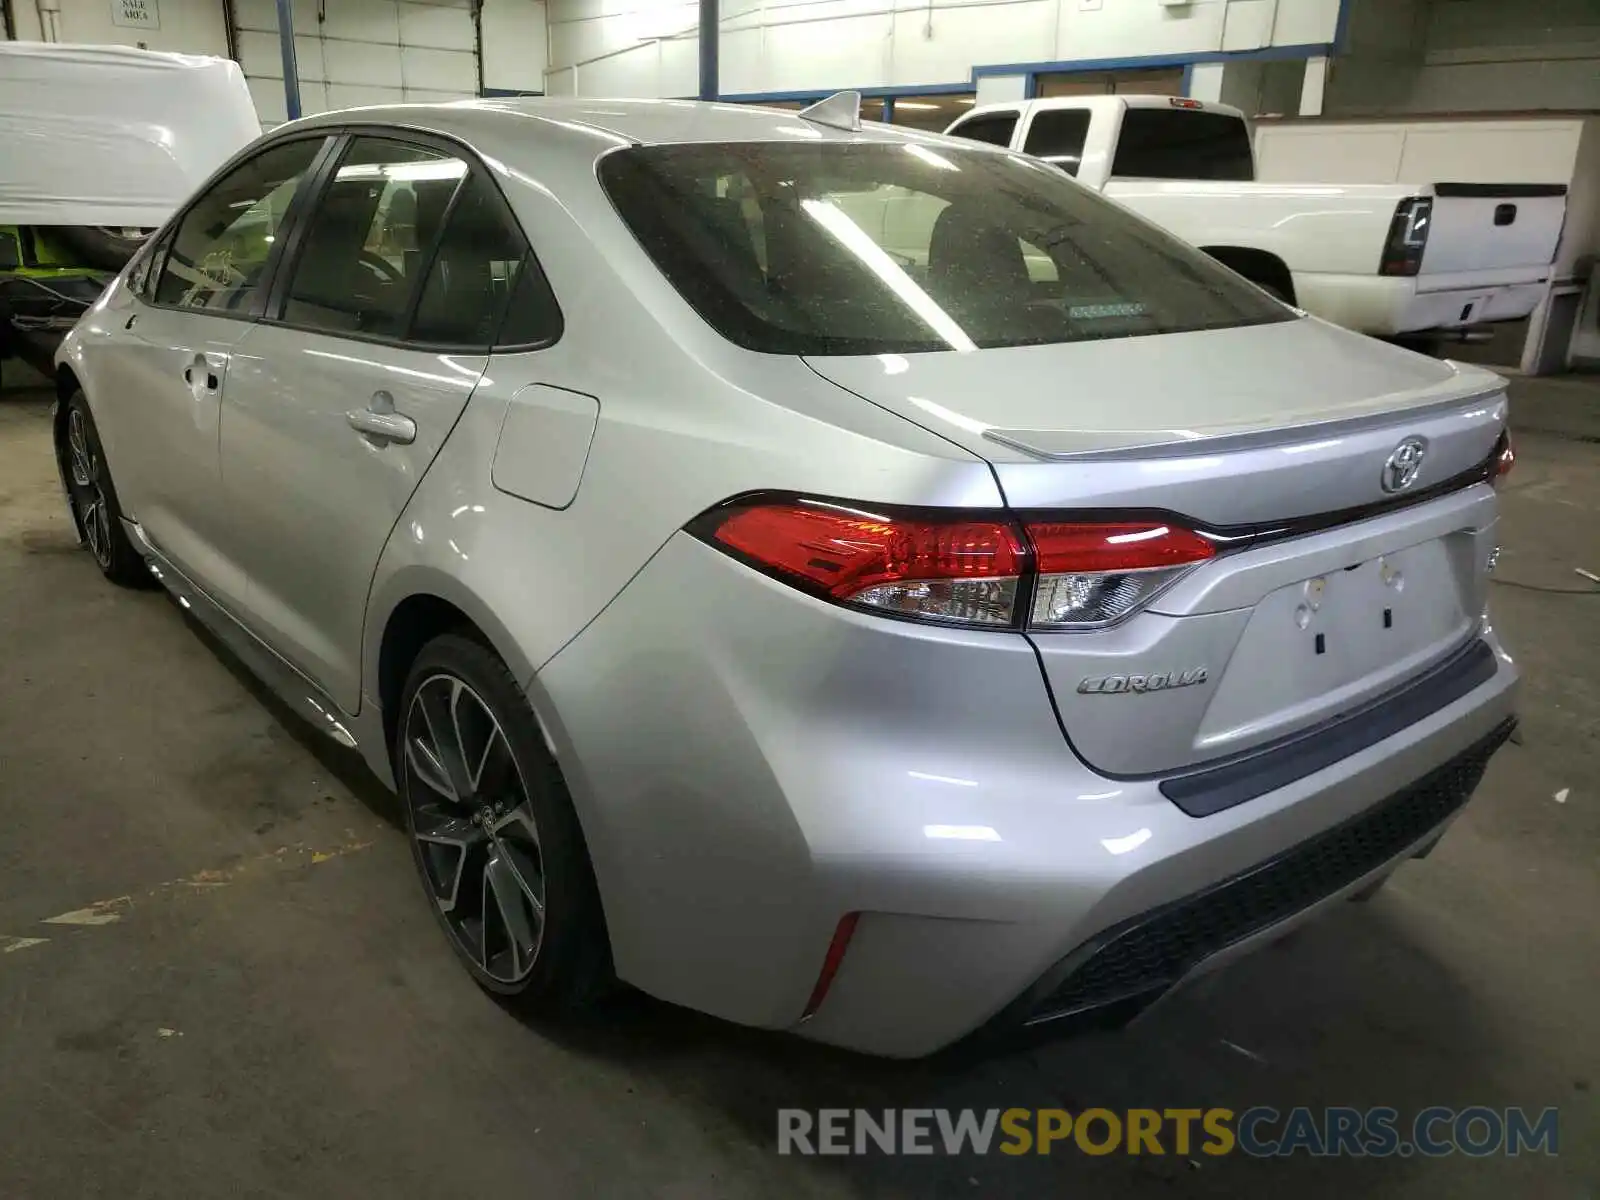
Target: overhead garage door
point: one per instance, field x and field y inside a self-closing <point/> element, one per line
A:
<point x="352" y="52"/>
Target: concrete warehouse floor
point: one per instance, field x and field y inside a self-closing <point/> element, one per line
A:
<point x="250" y="999"/>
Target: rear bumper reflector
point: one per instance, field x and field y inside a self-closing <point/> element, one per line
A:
<point x="831" y="961"/>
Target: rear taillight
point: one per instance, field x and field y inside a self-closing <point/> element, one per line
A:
<point x="970" y="570"/>
<point x="1408" y="237"/>
<point x="1095" y="574"/>
<point x="1505" y="457"/>
<point x="957" y="570"/>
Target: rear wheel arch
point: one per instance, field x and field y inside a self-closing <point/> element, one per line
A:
<point x="422" y="607"/>
<point x="1260" y="267"/>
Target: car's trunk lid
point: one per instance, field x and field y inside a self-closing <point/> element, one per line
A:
<point x="1328" y="590"/>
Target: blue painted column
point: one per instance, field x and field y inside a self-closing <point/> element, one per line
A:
<point x="291" y="72"/>
<point x="708" y="48"/>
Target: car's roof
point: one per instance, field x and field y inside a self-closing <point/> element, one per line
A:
<point x="605" y="123"/>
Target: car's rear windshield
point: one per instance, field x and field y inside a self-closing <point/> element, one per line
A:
<point x="1178" y="143"/>
<point x="889" y="247"/>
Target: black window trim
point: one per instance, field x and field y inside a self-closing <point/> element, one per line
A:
<point x="168" y="233"/>
<point x="1015" y="114"/>
<point x="334" y="138"/>
<point x="1055" y="160"/>
<point x="425" y="139"/>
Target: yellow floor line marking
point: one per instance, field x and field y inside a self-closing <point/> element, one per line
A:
<point x="9" y="944"/>
<point x="101" y="912"/>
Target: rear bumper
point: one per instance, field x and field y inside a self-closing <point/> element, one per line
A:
<point x="1385" y="307"/>
<point x="751" y="764"/>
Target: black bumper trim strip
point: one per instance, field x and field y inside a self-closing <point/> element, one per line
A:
<point x="1218" y="788"/>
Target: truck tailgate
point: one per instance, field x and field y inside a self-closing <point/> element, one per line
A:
<point x="1493" y="227"/>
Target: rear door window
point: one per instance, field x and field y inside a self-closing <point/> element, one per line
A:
<point x="482" y="269"/>
<point x="994" y="128"/>
<point x="1178" y="143"/>
<point x="1057" y="136"/>
<point x="361" y="260"/>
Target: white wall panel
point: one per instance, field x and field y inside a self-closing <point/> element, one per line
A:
<point x="435" y="26"/>
<point x="362" y="20"/>
<point x="189" y="26"/>
<point x="350" y="95"/>
<point x="1127" y="30"/>
<point x="439" y="71"/>
<point x="365" y="51"/>
<point x="813" y="45"/>
<point x="365" y="63"/>
<point x="828" y="54"/>
<point x="515" y="45"/>
<point x="962" y="37"/>
<point x="1247" y="24"/>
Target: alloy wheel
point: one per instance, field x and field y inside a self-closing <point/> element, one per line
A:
<point x="476" y="838"/>
<point x="89" y="496"/>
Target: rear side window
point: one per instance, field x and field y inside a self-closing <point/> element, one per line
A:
<point x="899" y="247"/>
<point x="220" y="249"/>
<point x="1057" y="136"/>
<point x="358" y="267"/>
<point x="478" y="269"/>
<point x="1176" y="143"/>
<point x="994" y="128"/>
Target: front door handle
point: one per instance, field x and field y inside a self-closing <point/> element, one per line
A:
<point x="380" y="422"/>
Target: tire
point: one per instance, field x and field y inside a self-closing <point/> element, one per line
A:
<point x="497" y="847"/>
<point x="99" y="246"/>
<point x="95" y="510"/>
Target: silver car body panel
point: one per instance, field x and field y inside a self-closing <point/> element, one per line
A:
<point x="750" y="763"/>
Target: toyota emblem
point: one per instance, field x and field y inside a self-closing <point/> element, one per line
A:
<point x="1404" y="465"/>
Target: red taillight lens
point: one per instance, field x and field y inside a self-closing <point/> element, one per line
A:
<point x="1505" y="457"/>
<point x="1145" y="546"/>
<point x="960" y="570"/>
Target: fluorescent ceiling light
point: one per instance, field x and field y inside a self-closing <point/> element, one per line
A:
<point x="919" y="104"/>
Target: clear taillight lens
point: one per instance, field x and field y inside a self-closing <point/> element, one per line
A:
<point x="966" y="570"/>
<point x="1095" y="574"/>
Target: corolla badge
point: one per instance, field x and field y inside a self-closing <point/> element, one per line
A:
<point x="1158" y="681"/>
<point x="1404" y="465"/>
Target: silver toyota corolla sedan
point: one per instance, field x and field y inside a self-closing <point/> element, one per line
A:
<point x="830" y="576"/>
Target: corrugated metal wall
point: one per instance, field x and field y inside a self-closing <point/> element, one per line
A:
<point x="353" y="52"/>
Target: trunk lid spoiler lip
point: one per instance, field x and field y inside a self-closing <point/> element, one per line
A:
<point x="1059" y="445"/>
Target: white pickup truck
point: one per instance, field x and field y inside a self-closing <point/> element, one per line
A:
<point x="1383" y="259"/>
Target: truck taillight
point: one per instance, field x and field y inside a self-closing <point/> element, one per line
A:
<point x="1408" y="237"/>
<point x="967" y="569"/>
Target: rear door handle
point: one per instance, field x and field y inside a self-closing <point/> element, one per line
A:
<point x="381" y="423"/>
<point x="212" y="363"/>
